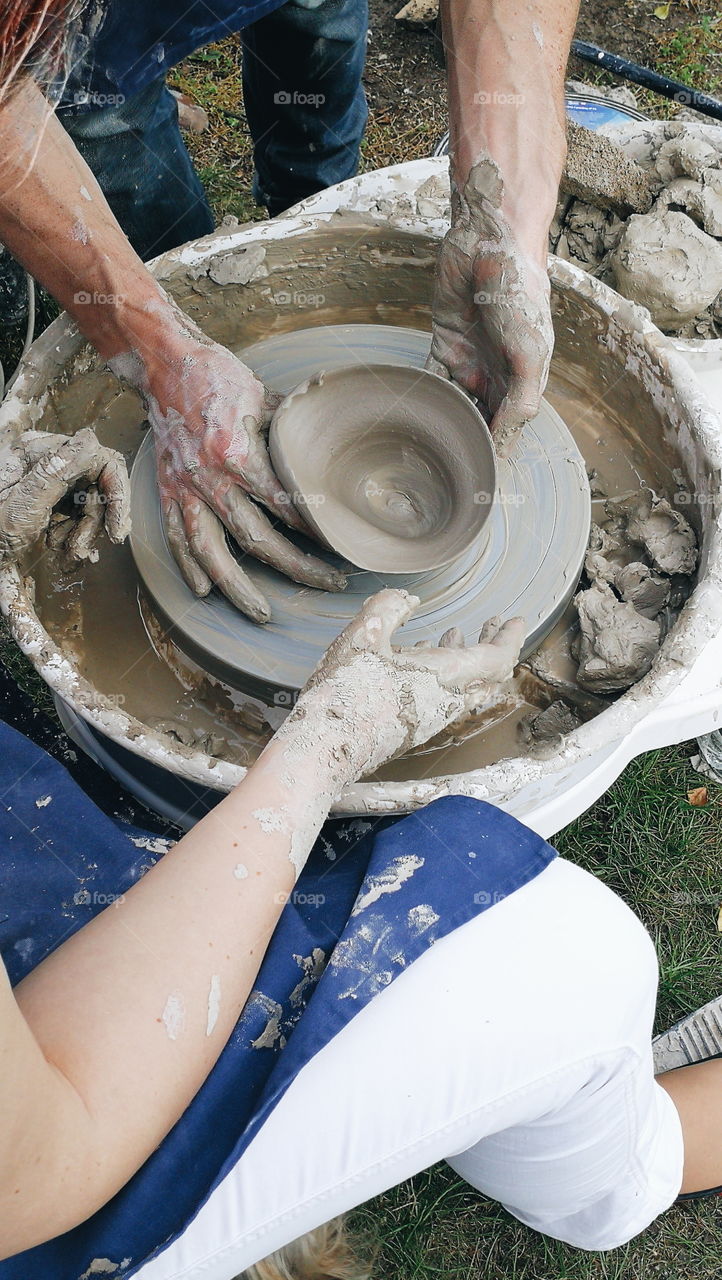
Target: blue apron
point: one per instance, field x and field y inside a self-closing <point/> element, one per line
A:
<point x="372" y="897"/>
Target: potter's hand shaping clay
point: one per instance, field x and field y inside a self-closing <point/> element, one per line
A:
<point x="492" y="320"/>
<point x="210" y="415"/>
<point x="38" y="469"/>
<point x="208" y="410"/>
<point x="383" y="700"/>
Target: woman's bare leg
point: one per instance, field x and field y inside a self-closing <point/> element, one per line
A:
<point x="697" y="1094"/>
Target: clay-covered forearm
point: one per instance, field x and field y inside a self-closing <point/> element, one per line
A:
<point x="55" y="219"/>
<point x="506" y="62"/>
<point x="113" y="1034"/>
<point x="116" y="1031"/>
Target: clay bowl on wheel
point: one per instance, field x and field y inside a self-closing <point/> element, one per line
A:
<point x="392" y="466"/>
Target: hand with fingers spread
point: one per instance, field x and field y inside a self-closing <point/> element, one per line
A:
<point x="208" y="411"/>
<point x="506" y="63"/>
<point x="492" y="320"/>
<point x="210" y="415"/>
<point x="38" y="469"/>
<point x="378" y="700"/>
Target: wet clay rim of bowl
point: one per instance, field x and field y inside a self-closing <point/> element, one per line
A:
<point x="392" y="466"/>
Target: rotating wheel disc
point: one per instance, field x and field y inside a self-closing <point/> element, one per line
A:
<point x="527" y="561"/>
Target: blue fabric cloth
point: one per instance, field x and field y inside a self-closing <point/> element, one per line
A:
<point x="373" y="897"/>
<point x="304" y="101"/>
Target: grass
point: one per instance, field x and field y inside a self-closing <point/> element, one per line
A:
<point x="436" y="1228"/>
<point x="690" y="53"/>
<point x="24" y="673"/>
<point x="223" y="155"/>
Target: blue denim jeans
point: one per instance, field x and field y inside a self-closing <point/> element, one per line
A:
<point x="306" y="111"/>
<point x="136" y="152"/>
<point x="305" y="105"/>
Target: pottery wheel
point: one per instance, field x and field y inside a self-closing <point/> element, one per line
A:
<point x="527" y="560"/>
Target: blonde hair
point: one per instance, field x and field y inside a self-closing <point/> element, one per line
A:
<point x="323" y="1254"/>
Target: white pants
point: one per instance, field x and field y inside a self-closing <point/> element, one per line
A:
<point x="518" y="1048"/>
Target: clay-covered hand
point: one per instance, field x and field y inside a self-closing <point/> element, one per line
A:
<point x="492" y="327"/>
<point x="38" y="469"/>
<point x="379" y="700"/>
<point x="210" y="415"/>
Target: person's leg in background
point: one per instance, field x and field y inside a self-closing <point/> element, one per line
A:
<point x="137" y="153"/>
<point x="304" y="102"/>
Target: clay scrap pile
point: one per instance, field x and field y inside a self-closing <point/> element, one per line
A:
<point x="638" y="572"/>
<point x="641" y="208"/>
<point x="639" y="566"/>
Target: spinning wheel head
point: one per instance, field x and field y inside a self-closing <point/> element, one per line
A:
<point x="525" y="558"/>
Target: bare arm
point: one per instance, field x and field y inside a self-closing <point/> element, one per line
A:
<point x="209" y="412"/>
<point x="106" y="1042"/>
<point x="507" y="60"/>
<point x="492" y="321"/>
<point x="56" y="220"/>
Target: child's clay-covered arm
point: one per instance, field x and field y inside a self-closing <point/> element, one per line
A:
<point x="492" y="324"/>
<point x="105" y="1043"/>
<point x="208" y="410"/>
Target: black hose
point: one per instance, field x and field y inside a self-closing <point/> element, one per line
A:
<point x="648" y="79"/>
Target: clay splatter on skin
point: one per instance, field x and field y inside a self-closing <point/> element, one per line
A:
<point x="214" y="1004"/>
<point x="86" y="194"/>
<point x="271" y="820"/>
<point x="515" y="293"/>
<point x="240" y="871"/>
<point x="174" y="1016"/>
<point x="298" y="852"/>
<point x="359" y="671"/>
<point x="79" y="231"/>
<point x="36" y="471"/>
<point x="198" y="452"/>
